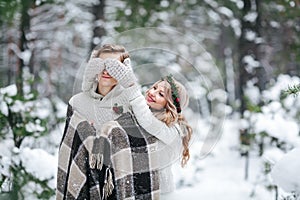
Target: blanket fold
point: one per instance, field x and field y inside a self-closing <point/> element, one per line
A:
<point x="117" y="162"/>
<point x="75" y="178"/>
<point x="132" y="154"/>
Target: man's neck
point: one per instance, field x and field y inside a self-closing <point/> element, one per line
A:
<point x="103" y="90"/>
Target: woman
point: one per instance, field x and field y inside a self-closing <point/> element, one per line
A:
<point x="166" y="99"/>
<point x="164" y="120"/>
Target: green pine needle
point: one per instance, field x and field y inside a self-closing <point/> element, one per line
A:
<point x="295" y="89"/>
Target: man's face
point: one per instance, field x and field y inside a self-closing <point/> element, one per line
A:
<point x="110" y="55"/>
<point x="105" y="80"/>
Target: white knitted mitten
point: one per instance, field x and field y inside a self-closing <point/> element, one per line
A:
<point x="123" y="73"/>
<point x="94" y="54"/>
<point x="94" y="67"/>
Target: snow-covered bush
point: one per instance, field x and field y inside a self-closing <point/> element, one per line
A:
<point x="26" y="170"/>
<point x="285" y="172"/>
<point x="271" y="123"/>
<point x="270" y="113"/>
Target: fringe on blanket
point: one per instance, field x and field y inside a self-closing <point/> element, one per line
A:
<point x="96" y="157"/>
<point x="96" y="162"/>
<point x="108" y="184"/>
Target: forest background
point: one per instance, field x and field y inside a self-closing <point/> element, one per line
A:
<point x="236" y="57"/>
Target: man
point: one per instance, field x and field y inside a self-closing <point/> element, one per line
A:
<point x="100" y="101"/>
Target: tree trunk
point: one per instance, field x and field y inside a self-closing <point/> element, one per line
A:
<point x="98" y="31"/>
<point x="261" y="72"/>
<point x="249" y="47"/>
<point x="243" y="49"/>
<point x="23" y="43"/>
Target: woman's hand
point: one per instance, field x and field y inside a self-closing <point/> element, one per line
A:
<point x="122" y="72"/>
<point x="94" y="67"/>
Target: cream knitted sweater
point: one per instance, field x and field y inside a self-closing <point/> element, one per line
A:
<point x="98" y="109"/>
<point x="169" y="141"/>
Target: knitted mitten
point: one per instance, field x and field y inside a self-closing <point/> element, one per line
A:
<point x="94" y="67"/>
<point x="123" y="73"/>
<point x="94" y="54"/>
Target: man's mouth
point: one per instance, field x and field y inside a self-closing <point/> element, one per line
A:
<point x="106" y="76"/>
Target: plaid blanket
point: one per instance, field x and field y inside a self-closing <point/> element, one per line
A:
<point x="133" y="157"/>
<point x="75" y="178"/>
<point x="117" y="163"/>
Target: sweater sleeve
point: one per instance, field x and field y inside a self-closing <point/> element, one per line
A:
<point x="150" y="123"/>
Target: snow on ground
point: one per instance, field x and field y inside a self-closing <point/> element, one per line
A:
<point x="222" y="174"/>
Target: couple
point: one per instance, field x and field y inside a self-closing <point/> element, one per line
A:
<point x="118" y="144"/>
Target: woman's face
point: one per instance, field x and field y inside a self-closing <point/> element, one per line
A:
<point x="156" y="96"/>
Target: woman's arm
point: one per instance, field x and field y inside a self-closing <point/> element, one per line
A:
<point x="147" y="120"/>
<point x="124" y="74"/>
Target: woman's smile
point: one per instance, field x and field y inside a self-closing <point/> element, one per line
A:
<point x="155" y="96"/>
<point x="150" y="99"/>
